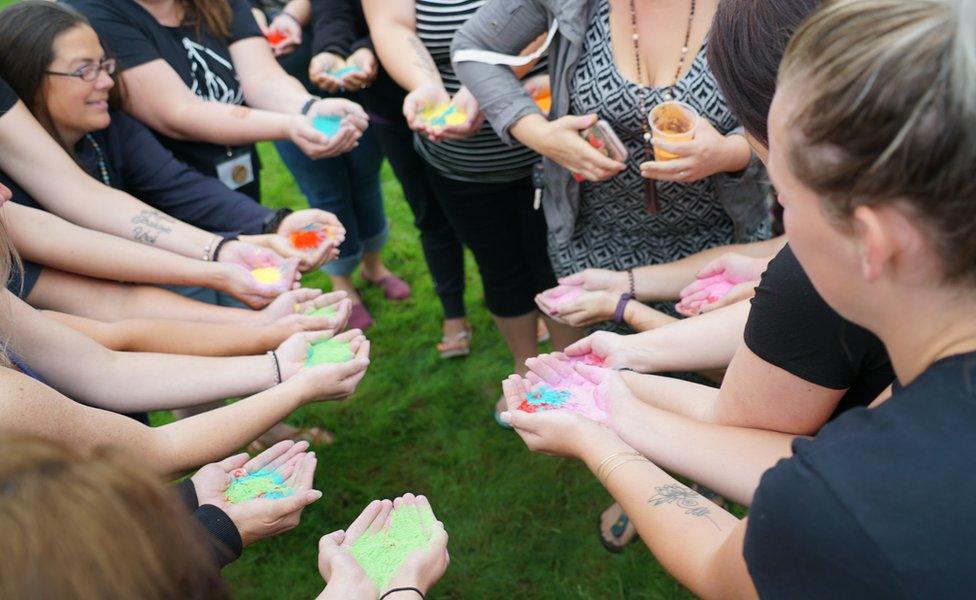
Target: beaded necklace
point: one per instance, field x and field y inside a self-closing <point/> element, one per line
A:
<point x="102" y="165"/>
<point x="651" y="204"/>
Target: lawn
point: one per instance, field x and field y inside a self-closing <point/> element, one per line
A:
<point x="521" y="525"/>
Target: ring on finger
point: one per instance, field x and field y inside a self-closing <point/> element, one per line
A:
<point x="681" y="174"/>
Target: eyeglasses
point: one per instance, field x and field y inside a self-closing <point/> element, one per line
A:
<point x="89" y="72"/>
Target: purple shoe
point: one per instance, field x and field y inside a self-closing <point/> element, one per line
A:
<point x="393" y="287"/>
<point x="359" y="318"/>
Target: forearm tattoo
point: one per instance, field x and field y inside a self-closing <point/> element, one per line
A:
<point x="692" y="502"/>
<point x="422" y="57"/>
<point x="149" y="225"/>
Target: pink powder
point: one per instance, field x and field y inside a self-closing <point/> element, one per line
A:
<point x="584" y="398"/>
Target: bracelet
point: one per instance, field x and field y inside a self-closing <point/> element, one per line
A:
<point x="633" y="288"/>
<point x="611" y="466"/>
<point x="610" y="471"/>
<point x="220" y="245"/>
<point x="277" y="366"/>
<point x="402" y="589"/>
<point x="618" y="315"/>
<point x="309" y="103"/>
<point x="604" y="462"/>
<point x="206" y="251"/>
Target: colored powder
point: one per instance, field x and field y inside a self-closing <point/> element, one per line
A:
<point x="267" y="275"/>
<point x="574" y="394"/>
<point x="544" y="101"/>
<point x="275" y="37"/>
<point x="329" y="351"/>
<point x="339" y="73"/>
<point x="260" y="484"/>
<point x="590" y="359"/>
<point x="547" y="395"/>
<point x="443" y="115"/>
<point x="306" y="239"/>
<point x="718" y="287"/>
<point x="324" y="311"/>
<point x="327" y="124"/>
<point x="563" y="293"/>
<point x="380" y="554"/>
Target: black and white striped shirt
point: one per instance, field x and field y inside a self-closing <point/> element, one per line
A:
<point x="482" y="157"/>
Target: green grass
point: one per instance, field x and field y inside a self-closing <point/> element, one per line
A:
<point x="521" y="525"/>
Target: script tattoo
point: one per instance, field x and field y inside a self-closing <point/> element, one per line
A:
<point x="149" y="225"/>
<point x="423" y="59"/>
<point x="685" y="498"/>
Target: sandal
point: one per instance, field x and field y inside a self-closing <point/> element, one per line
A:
<point x="457" y="346"/>
<point x="622" y="531"/>
<point x="315" y="436"/>
<point x="393" y="287"/>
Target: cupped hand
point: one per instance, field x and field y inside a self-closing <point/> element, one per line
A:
<point x="365" y="60"/>
<point x="300" y="320"/>
<point x="426" y="96"/>
<point x="321" y="71"/>
<point x="333" y="381"/>
<point x="465" y="102"/>
<point x="615" y="282"/>
<point x="616" y="351"/>
<point x="424" y="567"/>
<point x="315" y="144"/>
<point x="587" y="308"/>
<point x="708" y="153"/>
<point x="563" y="144"/>
<point x="288" y="27"/>
<point x="248" y="257"/>
<point x="295" y="301"/>
<point x="259" y="518"/>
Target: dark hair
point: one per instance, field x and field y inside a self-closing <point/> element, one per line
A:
<point x="28" y="31"/>
<point x="745" y="46"/>
<point x="886" y="114"/>
<point x="95" y="525"/>
<point x="214" y="15"/>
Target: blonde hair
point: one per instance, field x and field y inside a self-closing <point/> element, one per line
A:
<point x="888" y="96"/>
<point x="94" y="526"/>
<point x="10" y="267"/>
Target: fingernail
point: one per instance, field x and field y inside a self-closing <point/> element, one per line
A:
<point x="505" y="417"/>
<point x="313" y="495"/>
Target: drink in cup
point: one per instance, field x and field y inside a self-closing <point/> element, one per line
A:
<point x="672" y="121"/>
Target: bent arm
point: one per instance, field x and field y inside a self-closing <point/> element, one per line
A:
<point x="265" y="84"/>
<point x="128" y="382"/>
<point x="30" y="156"/>
<point x="393" y="29"/>
<point x="29" y="407"/>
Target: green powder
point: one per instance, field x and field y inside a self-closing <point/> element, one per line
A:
<point x="381" y="554"/>
<point x="325" y="311"/>
<point x="329" y="351"/>
<point x="261" y="484"/>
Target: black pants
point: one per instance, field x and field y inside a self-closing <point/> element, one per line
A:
<point x="507" y="237"/>
<point x="442" y="249"/>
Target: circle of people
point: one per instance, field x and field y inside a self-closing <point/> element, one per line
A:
<point x="774" y="197"/>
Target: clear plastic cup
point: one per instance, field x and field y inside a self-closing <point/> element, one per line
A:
<point x="672" y="121"/>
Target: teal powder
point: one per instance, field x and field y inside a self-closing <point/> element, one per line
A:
<point x="329" y="351"/>
<point x="325" y="311"/>
<point x="328" y="124"/>
<point x="260" y="484"/>
<point x="548" y="395"/>
<point x="381" y="554"/>
<point x="346" y="70"/>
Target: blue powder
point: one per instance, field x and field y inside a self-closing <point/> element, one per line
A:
<point x="548" y="395"/>
<point x="329" y="124"/>
<point x="261" y="484"/>
<point x="345" y="71"/>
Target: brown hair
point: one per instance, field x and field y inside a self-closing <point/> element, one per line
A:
<point x="888" y="96"/>
<point x="12" y="273"/>
<point x="94" y="525"/>
<point x="214" y="15"/>
<point x="28" y="31"/>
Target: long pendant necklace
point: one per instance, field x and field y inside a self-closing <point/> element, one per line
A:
<point x="651" y="204"/>
<point x="102" y="166"/>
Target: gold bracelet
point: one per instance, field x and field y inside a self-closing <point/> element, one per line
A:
<point x="606" y="478"/>
<point x="611" y="457"/>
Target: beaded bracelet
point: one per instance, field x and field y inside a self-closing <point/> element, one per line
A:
<point x="277" y="366"/>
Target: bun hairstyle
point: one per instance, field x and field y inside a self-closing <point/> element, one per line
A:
<point x="888" y="89"/>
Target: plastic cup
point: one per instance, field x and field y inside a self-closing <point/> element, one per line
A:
<point x="672" y="121"/>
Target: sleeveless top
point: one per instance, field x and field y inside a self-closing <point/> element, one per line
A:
<point x="482" y="157"/>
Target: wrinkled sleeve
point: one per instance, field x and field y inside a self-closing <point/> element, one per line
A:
<point x="333" y="27"/>
<point x="505" y="26"/>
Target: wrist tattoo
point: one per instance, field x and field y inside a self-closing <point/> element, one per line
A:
<point x="422" y="58"/>
<point x="692" y="502"/>
<point x="149" y="226"/>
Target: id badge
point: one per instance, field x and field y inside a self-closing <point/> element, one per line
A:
<point x="236" y="170"/>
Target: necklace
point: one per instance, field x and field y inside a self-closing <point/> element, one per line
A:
<point x="102" y="166"/>
<point x="651" y="204"/>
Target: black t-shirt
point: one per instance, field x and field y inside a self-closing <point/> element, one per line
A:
<point x="790" y="326"/>
<point x="878" y="505"/>
<point x="201" y="60"/>
<point x="8" y="97"/>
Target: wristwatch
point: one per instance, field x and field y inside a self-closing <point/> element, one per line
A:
<point x="273" y="221"/>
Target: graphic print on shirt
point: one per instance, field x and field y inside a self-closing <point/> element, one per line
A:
<point x="207" y="83"/>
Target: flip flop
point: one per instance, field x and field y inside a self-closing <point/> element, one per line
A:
<point x="393" y="287"/>
<point x="461" y="343"/>
<point x="618" y="530"/>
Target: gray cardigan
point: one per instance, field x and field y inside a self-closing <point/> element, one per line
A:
<point x="508" y="26"/>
